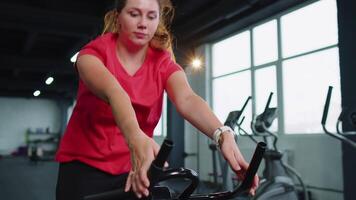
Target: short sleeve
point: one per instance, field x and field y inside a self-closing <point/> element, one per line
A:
<point x="168" y="67"/>
<point x="96" y="48"/>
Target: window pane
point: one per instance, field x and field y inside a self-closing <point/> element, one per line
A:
<point x="309" y="28"/>
<point x="161" y="127"/>
<point x="266" y="83"/>
<point x="265" y="43"/>
<point x="230" y="93"/>
<point x="158" y="130"/>
<point x="232" y="54"/>
<point x="306" y="80"/>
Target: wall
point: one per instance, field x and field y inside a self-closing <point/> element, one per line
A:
<point x="18" y="114"/>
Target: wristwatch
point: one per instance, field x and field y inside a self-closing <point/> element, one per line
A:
<point x="218" y="132"/>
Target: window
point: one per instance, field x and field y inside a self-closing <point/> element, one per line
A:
<point x="265" y="43"/>
<point x="231" y="90"/>
<point x="230" y="93"/>
<point x="294" y="55"/>
<point x="306" y="81"/>
<point x="161" y="127"/>
<point x="265" y="83"/>
<point x="232" y="54"/>
<point x="309" y="28"/>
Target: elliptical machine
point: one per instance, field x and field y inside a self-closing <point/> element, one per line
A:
<point x="277" y="184"/>
<point x="340" y="135"/>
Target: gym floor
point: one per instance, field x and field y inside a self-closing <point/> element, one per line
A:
<point x="22" y="179"/>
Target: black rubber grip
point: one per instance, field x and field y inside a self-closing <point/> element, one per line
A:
<point x="326" y="106"/>
<point x="268" y="102"/>
<point x="245" y="104"/>
<point x="163" y="153"/>
<point x="253" y="167"/>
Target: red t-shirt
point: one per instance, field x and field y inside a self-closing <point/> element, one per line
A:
<point x="92" y="135"/>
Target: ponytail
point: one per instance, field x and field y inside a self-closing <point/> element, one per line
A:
<point x="110" y="22"/>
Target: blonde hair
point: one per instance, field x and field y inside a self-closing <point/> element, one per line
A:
<point x="162" y="38"/>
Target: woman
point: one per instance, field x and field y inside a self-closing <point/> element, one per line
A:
<point x="108" y="141"/>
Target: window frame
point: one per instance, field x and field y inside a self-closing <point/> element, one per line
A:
<point x="277" y="63"/>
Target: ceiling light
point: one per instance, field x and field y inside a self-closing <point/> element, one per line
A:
<point x="196" y="63"/>
<point x="74" y="57"/>
<point x="36" y="93"/>
<point x="49" y="80"/>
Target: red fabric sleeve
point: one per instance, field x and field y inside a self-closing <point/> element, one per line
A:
<point x="96" y="48"/>
<point x="168" y="67"/>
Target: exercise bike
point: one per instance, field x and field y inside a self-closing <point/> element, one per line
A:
<point x="277" y="184"/>
<point x="157" y="174"/>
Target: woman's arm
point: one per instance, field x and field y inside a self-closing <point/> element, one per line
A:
<point x="197" y="112"/>
<point x="142" y="148"/>
<point x="104" y="85"/>
<point x="191" y="106"/>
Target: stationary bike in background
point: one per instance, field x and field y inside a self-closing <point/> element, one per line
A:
<point x="277" y="182"/>
<point x="344" y="115"/>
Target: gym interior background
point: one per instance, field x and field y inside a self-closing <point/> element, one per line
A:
<point x="294" y="48"/>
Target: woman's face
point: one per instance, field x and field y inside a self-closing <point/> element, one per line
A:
<point x="138" y="21"/>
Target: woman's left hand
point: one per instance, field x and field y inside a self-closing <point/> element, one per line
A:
<point x="232" y="154"/>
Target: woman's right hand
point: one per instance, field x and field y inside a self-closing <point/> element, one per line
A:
<point x="143" y="150"/>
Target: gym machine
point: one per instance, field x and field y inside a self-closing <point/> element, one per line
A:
<point x="340" y="135"/>
<point x="277" y="183"/>
<point x="158" y="174"/>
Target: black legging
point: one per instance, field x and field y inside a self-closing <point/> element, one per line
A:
<point x="76" y="180"/>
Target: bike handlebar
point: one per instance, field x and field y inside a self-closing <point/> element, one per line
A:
<point x="157" y="174"/>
